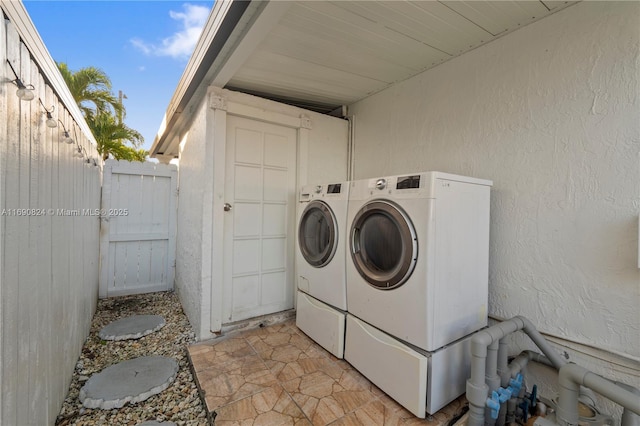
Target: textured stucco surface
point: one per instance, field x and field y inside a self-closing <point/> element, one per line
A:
<point x="326" y="162"/>
<point x="327" y="157"/>
<point x="550" y="114"/>
<point x="191" y="173"/>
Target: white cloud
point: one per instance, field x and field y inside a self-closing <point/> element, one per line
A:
<point x="179" y="45"/>
<point x="141" y="45"/>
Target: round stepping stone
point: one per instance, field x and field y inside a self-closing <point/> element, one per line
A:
<point x="156" y="423"/>
<point x="133" y="327"/>
<point x="129" y="381"/>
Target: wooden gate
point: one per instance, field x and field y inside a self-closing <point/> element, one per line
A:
<point x="138" y="228"/>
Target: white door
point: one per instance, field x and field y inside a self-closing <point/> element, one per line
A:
<point x="259" y="224"/>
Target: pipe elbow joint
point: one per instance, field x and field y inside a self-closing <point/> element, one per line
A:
<point x="523" y="323"/>
<point x="571" y="376"/>
<point x="484" y="338"/>
<point x="518" y="364"/>
<point x="479" y="343"/>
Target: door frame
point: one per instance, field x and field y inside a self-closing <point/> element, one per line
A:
<point x="220" y="103"/>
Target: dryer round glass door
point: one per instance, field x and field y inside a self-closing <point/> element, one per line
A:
<point x="317" y="234"/>
<point x="384" y="245"/>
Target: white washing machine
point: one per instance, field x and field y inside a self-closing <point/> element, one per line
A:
<point x="417" y="273"/>
<point x="320" y="264"/>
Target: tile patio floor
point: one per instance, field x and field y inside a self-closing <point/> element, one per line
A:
<point x="276" y="375"/>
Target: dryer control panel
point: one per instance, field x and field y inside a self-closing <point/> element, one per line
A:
<point x="408" y="182"/>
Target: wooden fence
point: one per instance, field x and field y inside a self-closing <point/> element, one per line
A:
<point x="49" y="232"/>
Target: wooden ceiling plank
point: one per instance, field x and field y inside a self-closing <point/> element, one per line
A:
<point x="431" y="23"/>
<point x="325" y="20"/>
<point x="338" y="55"/>
<point x="276" y="66"/>
<point x="499" y="16"/>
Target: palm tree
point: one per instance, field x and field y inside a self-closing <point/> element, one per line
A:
<point x="91" y="89"/>
<point x="110" y="133"/>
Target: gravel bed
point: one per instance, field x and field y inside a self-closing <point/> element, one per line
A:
<point x="179" y="403"/>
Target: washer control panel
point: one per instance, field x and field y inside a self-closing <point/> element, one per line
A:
<point x="334" y="188"/>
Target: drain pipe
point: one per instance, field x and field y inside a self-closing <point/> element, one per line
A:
<point x="519" y="363"/>
<point x="629" y="418"/>
<point x="492" y="379"/>
<point x="519" y="366"/>
<point x="570" y="378"/>
<point x="556" y="360"/>
<point x="503" y="372"/>
<point x="503" y="363"/>
<point x="477" y="389"/>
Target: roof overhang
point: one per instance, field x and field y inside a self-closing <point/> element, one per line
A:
<point x="322" y="55"/>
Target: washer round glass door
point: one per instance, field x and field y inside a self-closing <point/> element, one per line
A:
<point x="384" y="245"/>
<point x="317" y="234"/>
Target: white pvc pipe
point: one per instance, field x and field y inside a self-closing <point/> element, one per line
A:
<point x="628" y="417"/>
<point x="570" y="378"/>
<point x="477" y="389"/>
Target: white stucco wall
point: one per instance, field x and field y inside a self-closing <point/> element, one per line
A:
<point x="191" y="174"/>
<point x="324" y="160"/>
<point x="327" y="156"/>
<point x="550" y="114"/>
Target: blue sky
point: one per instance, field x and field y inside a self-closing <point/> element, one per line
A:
<point x="143" y="46"/>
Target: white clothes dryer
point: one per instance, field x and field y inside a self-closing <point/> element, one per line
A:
<point x="417" y="274"/>
<point x="419" y="256"/>
<point x="320" y="264"/>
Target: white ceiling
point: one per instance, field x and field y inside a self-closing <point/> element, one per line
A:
<point x="323" y="54"/>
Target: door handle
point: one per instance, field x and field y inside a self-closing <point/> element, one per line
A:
<point x="227" y="207"/>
